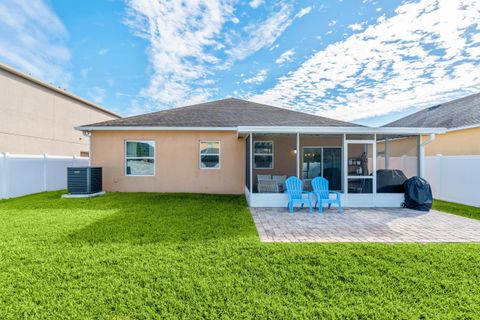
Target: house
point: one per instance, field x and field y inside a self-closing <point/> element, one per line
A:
<point x="38" y="118"/>
<point x="234" y="146"/>
<point x="460" y="117"/>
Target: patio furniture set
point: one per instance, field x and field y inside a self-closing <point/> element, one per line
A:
<point x="296" y="192"/>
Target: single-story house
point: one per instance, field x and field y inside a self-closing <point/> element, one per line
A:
<point x="460" y="117"/>
<point x="233" y="146"/>
<point x="37" y="117"/>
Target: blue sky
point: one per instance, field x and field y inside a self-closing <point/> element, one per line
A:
<point x="363" y="61"/>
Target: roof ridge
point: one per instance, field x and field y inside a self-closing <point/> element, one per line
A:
<point x="232" y="112"/>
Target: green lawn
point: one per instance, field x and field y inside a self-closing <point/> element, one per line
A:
<point x="458" y="209"/>
<point x="128" y="256"/>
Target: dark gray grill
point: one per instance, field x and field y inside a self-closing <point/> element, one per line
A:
<point x="84" y="180"/>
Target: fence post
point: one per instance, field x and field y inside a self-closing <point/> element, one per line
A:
<point x="45" y="176"/>
<point x="440" y="177"/>
<point x="4" y="194"/>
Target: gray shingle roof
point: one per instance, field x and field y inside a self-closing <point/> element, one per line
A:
<point x="454" y="114"/>
<point x="225" y="113"/>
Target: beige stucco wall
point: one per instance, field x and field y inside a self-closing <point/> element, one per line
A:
<point x="452" y="143"/>
<point x="455" y="143"/>
<point x="176" y="164"/>
<point x="35" y="119"/>
<point x="399" y="147"/>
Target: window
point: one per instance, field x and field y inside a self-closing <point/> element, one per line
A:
<point x="140" y="158"/>
<point x="209" y="154"/>
<point x="263" y="154"/>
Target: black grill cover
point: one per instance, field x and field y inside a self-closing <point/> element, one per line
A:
<point x="390" y="181"/>
<point x="418" y="194"/>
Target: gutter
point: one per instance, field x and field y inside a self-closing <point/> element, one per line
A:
<point x="152" y="128"/>
<point x="272" y="129"/>
<point x="464" y="128"/>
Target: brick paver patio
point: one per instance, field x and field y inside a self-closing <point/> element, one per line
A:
<point x="364" y="225"/>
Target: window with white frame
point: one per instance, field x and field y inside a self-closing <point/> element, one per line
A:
<point x="263" y="154"/>
<point x="209" y="154"/>
<point x="139" y="158"/>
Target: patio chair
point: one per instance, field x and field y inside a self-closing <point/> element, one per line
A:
<point x="268" y="186"/>
<point x="295" y="194"/>
<point x="322" y="194"/>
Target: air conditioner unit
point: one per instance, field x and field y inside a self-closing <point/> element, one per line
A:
<point x="84" y="180"/>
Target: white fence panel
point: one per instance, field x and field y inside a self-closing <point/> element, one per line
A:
<point x="26" y="174"/>
<point x="454" y="178"/>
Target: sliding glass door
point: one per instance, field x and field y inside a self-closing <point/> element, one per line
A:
<point x="323" y="162"/>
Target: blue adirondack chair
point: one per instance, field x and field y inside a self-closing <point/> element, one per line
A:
<point x="295" y="194"/>
<point x="322" y="194"/>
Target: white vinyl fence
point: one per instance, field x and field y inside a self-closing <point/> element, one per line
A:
<point x="26" y="174"/>
<point x="454" y="178"/>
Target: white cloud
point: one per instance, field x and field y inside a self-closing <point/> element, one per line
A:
<point x="263" y="33"/>
<point x="33" y="39"/>
<point x="418" y="57"/>
<point x="97" y="94"/>
<point x="190" y="40"/>
<point x="303" y="12"/>
<point x="258" y="78"/>
<point x="255" y="3"/>
<point x="285" y="57"/>
<point x="103" y="51"/>
<point x="332" y="23"/>
<point x="274" y="47"/>
<point x="182" y="35"/>
<point x="355" y="27"/>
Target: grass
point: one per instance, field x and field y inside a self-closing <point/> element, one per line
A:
<point x="458" y="209"/>
<point x="143" y="256"/>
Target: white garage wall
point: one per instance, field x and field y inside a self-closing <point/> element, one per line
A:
<point x="25" y="174"/>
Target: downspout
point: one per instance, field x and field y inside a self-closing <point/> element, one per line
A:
<point x="88" y="134"/>
<point x="421" y="154"/>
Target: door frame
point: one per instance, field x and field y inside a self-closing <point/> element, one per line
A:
<point x="360" y="199"/>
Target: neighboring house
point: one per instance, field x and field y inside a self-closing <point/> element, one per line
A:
<point x="460" y="117"/>
<point x="38" y="118"/>
<point x="234" y="146"/>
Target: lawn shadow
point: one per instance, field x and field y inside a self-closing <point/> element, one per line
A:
<point x="171" y="218"/>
